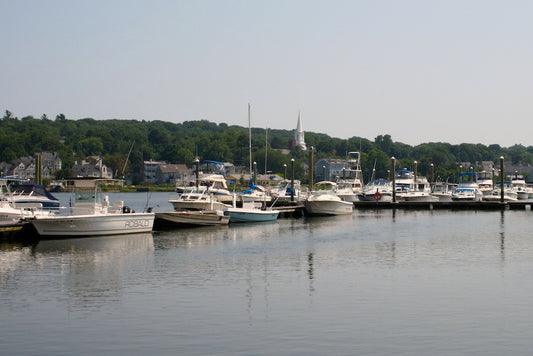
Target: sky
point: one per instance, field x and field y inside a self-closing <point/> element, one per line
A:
<point x="420" y="71"/>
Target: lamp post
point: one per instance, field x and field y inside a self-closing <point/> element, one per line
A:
<point x="393" y="164"/>
<point x="432" y="168"/>
<point x="285" y="170"/>
<point x="502" y="193"/>
<point x="197" y="162"/>
<point x="324" y="172"/>
<point x="292" y="180"/>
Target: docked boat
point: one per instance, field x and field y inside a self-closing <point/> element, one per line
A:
<point x="521" y="189"/>
<point x="323" y="200"/>
<point x="350" y="185"/>
<point x="410" y="187"/>
<point x="251" y="211"/>
<point x="256" y="193"/>
<point x="13" y="216"/>
<point x="442" y="191"/>
<point x="509" y="194"/>
<point x="197" y="199"/>
<point x="485" y="181"/>
<point x="283" y="191"/>
<point x="216" y="184"/>
<point x="467" y="189"/>
<point x="377" y="190"/>
<point x="91" y="216"/>
<point x="29" y="195"/>
<point x="191" y="218"/>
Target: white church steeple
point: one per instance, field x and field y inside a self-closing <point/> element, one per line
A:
<point x="299" y="134"/>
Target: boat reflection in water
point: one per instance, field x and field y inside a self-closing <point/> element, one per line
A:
<point x="89" y="272"/>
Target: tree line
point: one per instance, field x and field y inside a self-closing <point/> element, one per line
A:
<point x="183" y="142"/>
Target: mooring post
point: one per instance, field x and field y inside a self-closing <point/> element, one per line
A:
<point x="502" y="193"/>
<point x="292" y="180"/>
<point x="393" y="164"/>
<point x="197" y="173"/>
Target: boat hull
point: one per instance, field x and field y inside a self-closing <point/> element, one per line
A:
<point x="93" y="225"/>
<point x="192" y="218"/>
<point x="197" y="205"/>
<point x="250" y="215"/>
<point x="321" y="207"/>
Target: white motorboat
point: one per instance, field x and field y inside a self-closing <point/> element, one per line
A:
<point x="90" y="216"/>
<point x="190" y="218"/>
<point x="410" y="187"/>
<point x="467" y="189"/>
<point x="198" y="199"/>
<point x="251" y="211"/>
<point x="377" y="190"/>
<point x="216" y="185"/>
<point x="485" y="181"/>
<point x="442" y="191"/>
<point x="12" y="215"/>
<point x="256" y="193"/>
<point x="282" y="192"/>
<point x="521" y="189"/>
<point x="351" y="182"/>
<point x="29" y="195"/>
<point x="323" y="200"/>
<point x="509" y="194"/>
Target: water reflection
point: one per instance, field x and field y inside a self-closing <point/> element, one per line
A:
<point x="84" y="273"/>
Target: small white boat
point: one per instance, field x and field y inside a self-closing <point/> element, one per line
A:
<point x="216" y="184"/>
<point x="350" y="185"/>
<point x="410" y="187"/>
<point x="89" y="216"/>
<point x="467" y="189"/>
<point x="25" y="194"/>
<point x="191" y="218"/>
<point x="442" y="191"/>
<point x="251" y="211"/>
<point x="282" y="192"/>
<point x="323" y="200"/>
<point x="197" y="199"/>
<point x="521" y="189"/>
<point x="377" y="190"/>
<point x="256" y="193"/>
<point x="12" y="215"/>
<point x="509" y="194"/>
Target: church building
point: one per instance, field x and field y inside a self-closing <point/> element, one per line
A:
<point x="299" y="134"/>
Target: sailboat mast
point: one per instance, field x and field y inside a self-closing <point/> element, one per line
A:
<point x="250" y="139"/>
<point x="266" y="149"/>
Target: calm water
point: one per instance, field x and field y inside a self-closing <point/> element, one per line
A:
<point x="374" y="283"/>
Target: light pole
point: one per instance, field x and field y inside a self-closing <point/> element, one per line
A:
<point x="292" y="180"/>
<point x="284" y="170"/>
<point x="393" y="164"/>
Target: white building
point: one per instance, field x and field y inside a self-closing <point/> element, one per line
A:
<point x="299" y="136"/>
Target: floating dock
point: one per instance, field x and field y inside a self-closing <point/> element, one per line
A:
<point x="453" y="205"/>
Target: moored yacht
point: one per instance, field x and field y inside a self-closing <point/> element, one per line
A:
<point x="92" y="216"/>
<point x="351" y="182"/>
<point x="467" y="189"/>
<point x="378" y="190"/>
<point x="197" y="199"/>
<point x="323" y="200"/>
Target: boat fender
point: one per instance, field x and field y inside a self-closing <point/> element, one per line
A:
<point x="377" y="196"/>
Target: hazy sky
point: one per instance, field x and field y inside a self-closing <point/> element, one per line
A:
<point x="420" y="71"/>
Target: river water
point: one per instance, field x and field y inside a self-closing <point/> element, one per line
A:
<point x="374" y="283"/>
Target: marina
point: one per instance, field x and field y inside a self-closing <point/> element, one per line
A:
<point x="378" y="281"/>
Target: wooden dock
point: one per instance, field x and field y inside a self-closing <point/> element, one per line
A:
<point x="453" y="205"/>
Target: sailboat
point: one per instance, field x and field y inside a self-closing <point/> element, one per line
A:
<point x="253" y="209"/>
